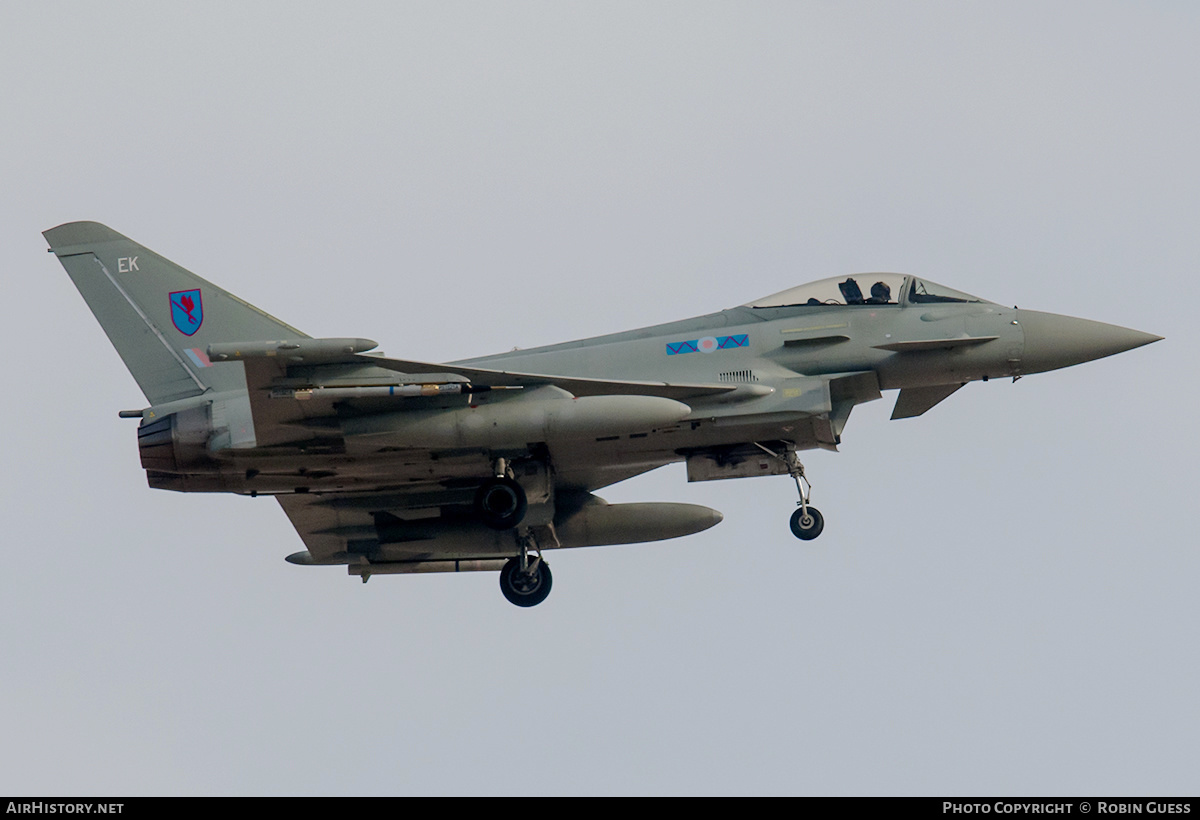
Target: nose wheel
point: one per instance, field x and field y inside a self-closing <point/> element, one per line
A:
<point x="807" y="521"/>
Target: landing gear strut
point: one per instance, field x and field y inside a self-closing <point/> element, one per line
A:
<point x="806" y="522"/>
<point x="526" y="581"/>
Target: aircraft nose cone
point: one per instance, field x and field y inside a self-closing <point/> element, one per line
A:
<point x="1053" y="341"/>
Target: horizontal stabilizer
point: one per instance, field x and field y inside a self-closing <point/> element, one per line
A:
<point x="913" y="401"/>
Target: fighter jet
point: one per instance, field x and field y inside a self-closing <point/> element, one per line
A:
<point x="391" y="466"/>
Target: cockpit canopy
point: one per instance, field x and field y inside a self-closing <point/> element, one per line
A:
<point x="864" y="289"/>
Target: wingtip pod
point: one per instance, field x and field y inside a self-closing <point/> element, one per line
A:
<point x="299" y="350"/>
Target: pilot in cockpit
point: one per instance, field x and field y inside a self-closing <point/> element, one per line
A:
<point x="881" y="294"/>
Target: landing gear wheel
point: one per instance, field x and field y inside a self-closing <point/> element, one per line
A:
<point x="807" y="527"/>
<point x="500" y="503"/>
<point x="807" y="522"/>
<point x="525" y="588"/>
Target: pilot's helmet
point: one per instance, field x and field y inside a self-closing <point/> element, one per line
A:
<point x="881" y="292"/>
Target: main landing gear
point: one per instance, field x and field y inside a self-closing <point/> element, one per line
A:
<point x="501" y="503"/>
<point x="526" y="581"/>
<point x="806" y="522"/>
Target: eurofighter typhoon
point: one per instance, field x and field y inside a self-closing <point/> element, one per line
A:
<point x="389" y="466"/>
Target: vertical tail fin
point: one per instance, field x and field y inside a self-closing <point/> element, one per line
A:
<point x="160" y="317"/>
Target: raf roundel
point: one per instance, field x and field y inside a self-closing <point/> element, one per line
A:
<point x="707" y="345"/>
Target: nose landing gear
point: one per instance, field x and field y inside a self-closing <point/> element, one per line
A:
<point x="806" y="522"/>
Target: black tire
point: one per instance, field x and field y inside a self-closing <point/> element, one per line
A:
<point x="806" y="529"/>
<point x="522" y="589"/>
<point x="500" y="503"/>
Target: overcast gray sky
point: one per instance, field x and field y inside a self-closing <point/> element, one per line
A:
<point x="1003" y="601"/>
